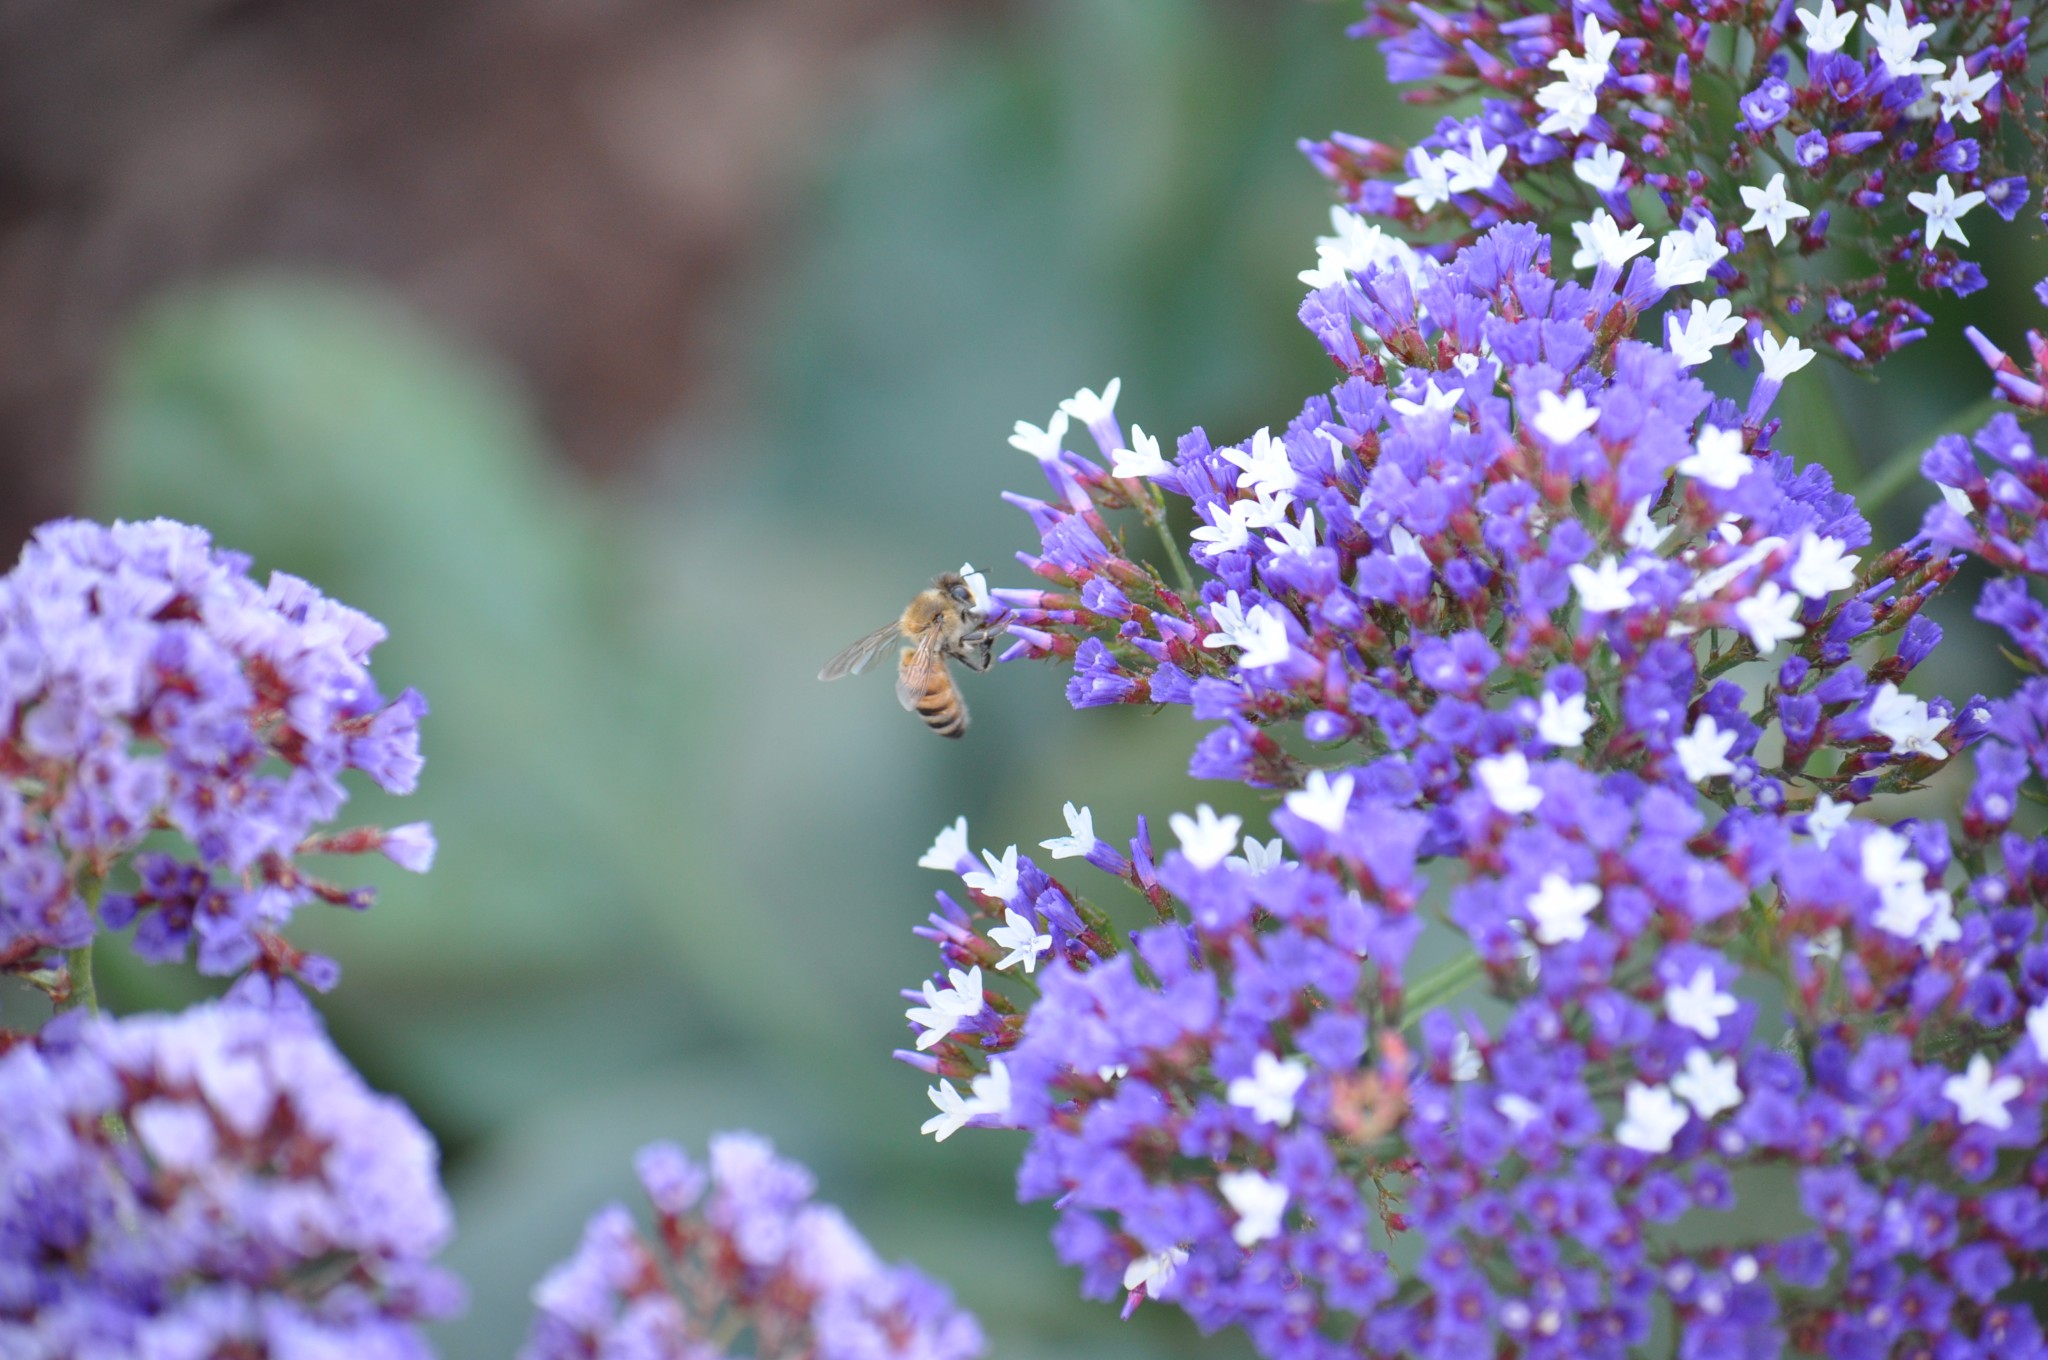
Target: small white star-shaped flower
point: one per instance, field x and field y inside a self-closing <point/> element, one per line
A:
<point x="943" y="1010"/>
<point x="1018" y="935"/>
<point x="1703" y="753"/>
<point x="1265" y="642"/>
<point x="1505" y="778"/>
<point x="1228" y="529"/>
<point x="1685" y="255"/>
<point x="1642" y="532"/>
<point x="1718" y="459"/>
<point x="1323" y="800"/>
<point x="1708" y="1084"/>
<point x="1571" y="108"/>
<point x="1080" y="837"/>
<point x="1475" y="168"/>
<point x="991" y="1099"/>
<point x="1001" y="878"/>
<point x="954" y="1112"/>
<point x="1781" y="359"/>
<point x="1600" y="169"/>
<point x="1563" y="722"/>
<point x="1700" y="1005"/>
<point x="1265" y="465"/>
<point x="1090" y="409"/>
<point x="1770" y="617"/>
<point x="1693" y="338"/>
<point x="1205" y="838"/>
<point x="1559" y="908"/>
<point x="1434" y="398"/>
<point x="1604" y="589"/>
<point x="1356" y="247"/>
<point x="1827" y="30"/>
<point x="948" y="849"/>
<point x="1589" y="67"/>
<point x="1602" y="241"/>
<point x="1771" y="212"/>
<point x="1142" y="458"/>
<point x="1822" y="567"/>
<point x="1561" y="421"/>
<point x="1154" y="1271"/>
<point x="1650" y="1119"/>
<point x="1825" y="818"/>
<point x="1299" y="539"/>
<point x="1044" y="445"/>
<point x="1466" y="1064"/>
<point x="1907" y="722"/>
<point x="1267" y="508"/>
<point x="1258" y="858"/>
<point x="1944" y="208"/>
<point x="1959" y="92"/>
<point x="1258" y="1202"/>
<point x="1898" y="40"/>
<point x="1981" y="1098"/>
<point x="1430" y="183"/>
<point x="1270" y="1090"/>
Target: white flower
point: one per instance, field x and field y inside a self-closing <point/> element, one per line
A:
<point x="1958" y="500"/>
<point x="1357" y="247"/>
<point x="1650" y="1118"/>
<point x="1258" y="1202"/>
<point x="1769" y="617"/>
<point x="1465" y="1061"/>
<point x="1909" y="723"/>
<point x="1708" y="1084"/>
<point x="948" y="849"/>
<point x="977" y="587"/>
<point x="1684" y="256"/>
<point x="1959" y="94"/>
<point x="1560" y="422"/>
<point x="1153" y="1271"/>
<point x="1559" y="908"/>
<point x="1700" y="1005"/>
<point x="1827" y="30"/>
<point x="1142" y="458"/>
<point x="2037" y="1030"/>
<point x="1227" y="529"/>
<point x="1602" y="241"/>
<point x="1434" y="398"/>
<point x="1693" y="338"/>
<point x="1300" y="538"/>
<point x="1431" y="182"/>
<point x="1604" y="589"/>
<point x="1562" y="722"/>
<point x="1205" y="839"/>
<point x="1267" y="508"/>
<point x="1572" y="108"/>
<point x="1600" y="169"/>
<point x="1703" y="753"/>
<point x="1517" y="1110"/>
<point x="1258" y="858"/>
<point x="1265" y="640"/>
<point x="1781" y="360"/>
<point x="954" y="1112"/>
<point x="1642" y="532"/>
<point x="1979" y="1097"/>
<point x="992" y="1091"/>
<point x="1323" y="800"/>
<point x="1090" y="409"/>
<point x="1825" y="818"/>
<point x="1265" y="465"/>
<point x="1476" y="168"/>
<point x="1001" y="878"/>
<point x="1944" y="208"/>
<point x="1718" y="459"/>
<point x="1590" y="68"/>
<point x="1018" y="935"/>
<point x="1506" y="781"/>
<point x="1270" y="1090"/>
<point x="1821" y="568"/>
<point x="944" y="1010"/>
<point x="1044" y="445"/>
<point x="1897" y="41"/>
<point x="1080" y="837"/>
<point x="1771" y="212"/>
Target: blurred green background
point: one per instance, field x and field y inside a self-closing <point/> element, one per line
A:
<point x="676" y="881"/>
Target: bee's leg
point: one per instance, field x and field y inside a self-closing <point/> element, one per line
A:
<point x="976" y="651"/>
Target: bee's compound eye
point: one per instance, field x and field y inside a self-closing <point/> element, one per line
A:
<point x="963" y="595"/>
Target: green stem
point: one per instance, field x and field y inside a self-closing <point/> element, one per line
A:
<point x="1173" y="553"/>
<point x="1441" y="985"/>
<point x="78" y="968"/>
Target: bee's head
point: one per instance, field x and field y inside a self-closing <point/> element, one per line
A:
<point x="954" y="586"/>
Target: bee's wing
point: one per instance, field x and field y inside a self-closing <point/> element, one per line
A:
<point x="860" y="655"/>
<point x="915" y="677"/>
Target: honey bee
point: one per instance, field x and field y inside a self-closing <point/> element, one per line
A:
<point x="947" y="620"/>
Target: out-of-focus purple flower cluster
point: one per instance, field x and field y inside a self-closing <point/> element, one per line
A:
<point x="148" y="685"/>
<point x="214" y="1183"/>
<point x="1752" y="133"/>
<point x="1540" y="639"/>
<point x="755" y="1257"/>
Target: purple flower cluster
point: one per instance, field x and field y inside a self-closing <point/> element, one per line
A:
<point x="1589" y="113"/>
<point x="148" y="684"/>
<point x="214" y="1183"/>
<point x="1541" y="640"/>
<point x="754" y="1256"/>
